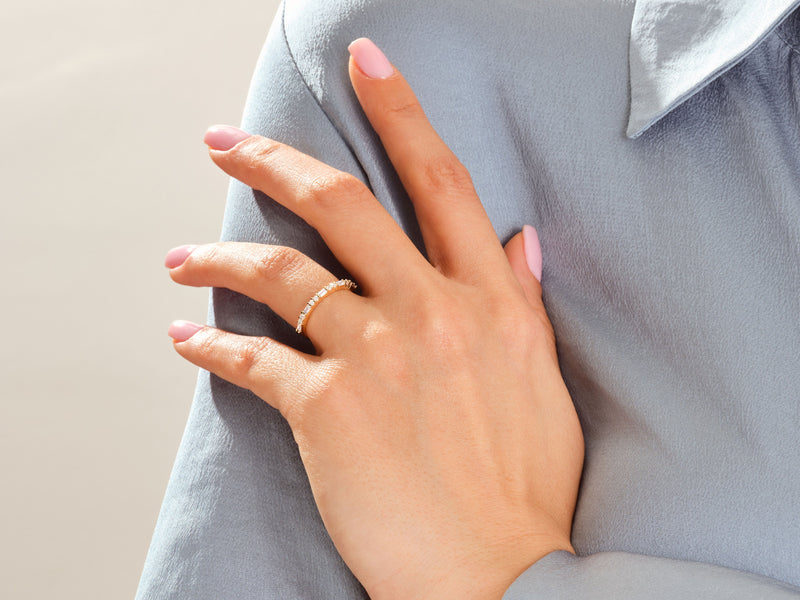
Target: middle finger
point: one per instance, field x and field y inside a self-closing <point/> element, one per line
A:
<point x="354" y="225"/>
<point x="458" y="234"/>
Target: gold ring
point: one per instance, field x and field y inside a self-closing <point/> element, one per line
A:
<point x="331" y="288"/>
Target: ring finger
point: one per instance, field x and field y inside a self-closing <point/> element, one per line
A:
<point x="283" y="278"/>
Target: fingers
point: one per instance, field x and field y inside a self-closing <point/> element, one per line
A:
<point x="458" y="235"/>
<point x="280" y="277"/>
<point x="354" y="225"/>
<point x="272" y="371"/>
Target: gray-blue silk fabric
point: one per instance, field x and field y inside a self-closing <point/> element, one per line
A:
<point x="656" y="148"/>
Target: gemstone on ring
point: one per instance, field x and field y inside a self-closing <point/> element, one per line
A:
<point x="336" y="286"/>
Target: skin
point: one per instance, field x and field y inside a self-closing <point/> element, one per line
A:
<point x="440" y="441"/>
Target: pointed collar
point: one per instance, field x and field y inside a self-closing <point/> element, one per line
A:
<point x="679" y="46"/>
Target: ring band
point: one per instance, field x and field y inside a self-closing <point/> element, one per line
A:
<point x="331" y="288"/>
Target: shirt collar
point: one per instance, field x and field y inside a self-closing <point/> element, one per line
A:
<point x="679" y="46"/>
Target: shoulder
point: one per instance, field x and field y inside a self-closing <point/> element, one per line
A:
<point x="466" y="48"/>
<point x="453" y="32"/>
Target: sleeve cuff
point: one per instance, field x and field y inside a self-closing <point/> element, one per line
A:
<point x="625" y="576"/>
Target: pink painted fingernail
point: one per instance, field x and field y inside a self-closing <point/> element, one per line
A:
<point x="369" y="58"/>
<point x="177" y="256"/>
<point x="180" y="331"/>
<point x="533" y="251"/>
<point x="224" y="137"/>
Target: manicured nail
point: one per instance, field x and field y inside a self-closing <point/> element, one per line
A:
<point x="533" y="251"/>
<point x="177" y="256"/>
<point x="369" y="58"/>
<point x="224" y="137"/>
<point x="180" y="331"/>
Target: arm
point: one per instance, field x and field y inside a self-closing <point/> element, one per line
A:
<point x="441" y="444"/>
<point x="582" y="569"/>
<point x="238" y="518"/>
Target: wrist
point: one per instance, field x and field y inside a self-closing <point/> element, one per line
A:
<point x="490" y="576"/>
<point x="483" y="574"/>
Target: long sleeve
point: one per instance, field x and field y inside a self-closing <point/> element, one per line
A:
<point x="238" y="519"/>
<point x="670" y="276"/>
<point x="626" y="576"/>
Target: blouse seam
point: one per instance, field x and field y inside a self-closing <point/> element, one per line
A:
<point x="787" y="43"/>
<point x="318" y="102"/>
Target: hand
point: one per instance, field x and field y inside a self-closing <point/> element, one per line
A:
<point x="440" y="441"/>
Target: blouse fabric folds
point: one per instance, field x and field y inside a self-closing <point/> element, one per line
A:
<point x="655" y="146"/>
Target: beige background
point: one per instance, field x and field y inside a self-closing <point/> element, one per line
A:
<point x="104" y="104"/>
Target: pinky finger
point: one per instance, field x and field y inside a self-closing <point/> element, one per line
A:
<point x="274" y="372"/>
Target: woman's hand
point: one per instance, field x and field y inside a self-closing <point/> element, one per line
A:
<point x="440" y="441"/>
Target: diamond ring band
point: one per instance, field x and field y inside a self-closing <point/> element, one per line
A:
<point x="331" y="288"/>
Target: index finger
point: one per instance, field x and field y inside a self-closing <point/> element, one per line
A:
<point x="458" y="234"/>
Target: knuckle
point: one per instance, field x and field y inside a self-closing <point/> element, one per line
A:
<point x="204" y="263"/>
<point x="252" y="157"/>
<point x="246" y="357"/>
<point x="378" y="339"/>
<point x="261" y="153"/>
<point x="445" y="174"/>
<point x="334" y="189"/>
<point x="405" y="109"/>
<point x="278" y="262"/>
<point x="207" y="345"/>
<point x="448" y="326"/>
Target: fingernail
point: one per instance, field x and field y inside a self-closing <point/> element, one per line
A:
<point x="369" y="58"/>
<point x="533" y="251"/>
<point x="177" y="256"/>
<point x="224" y="137"/>
<point x="180" y="331"/>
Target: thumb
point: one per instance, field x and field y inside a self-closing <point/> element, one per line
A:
<point x="525" y="256"/>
